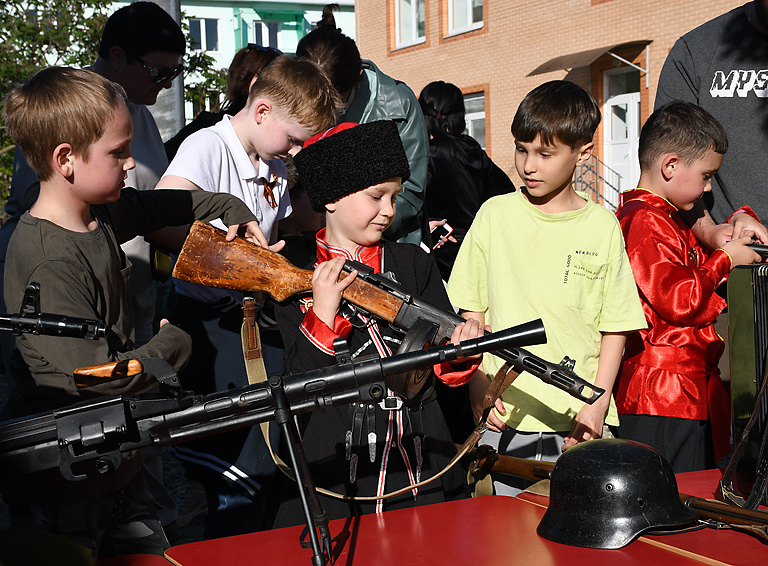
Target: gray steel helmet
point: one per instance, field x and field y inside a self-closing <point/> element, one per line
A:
<point x="604" y="493"/>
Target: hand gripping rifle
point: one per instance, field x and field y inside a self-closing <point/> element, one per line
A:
<point x="208" y="259"/>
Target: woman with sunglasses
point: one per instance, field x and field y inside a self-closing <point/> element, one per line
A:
<point x="243" y="71"/>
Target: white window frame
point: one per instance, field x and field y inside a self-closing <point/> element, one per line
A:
<point x="470" y="117"/>
<point x="265" y="32"/>
<point x="414" y="39"/>
<point x="204" y="34"/>
<point x="452" y="29"/>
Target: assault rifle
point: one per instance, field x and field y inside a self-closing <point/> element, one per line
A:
<point x="754" y="522"/>
<point x="90" y="437"/>
<point x="208" y="259"/>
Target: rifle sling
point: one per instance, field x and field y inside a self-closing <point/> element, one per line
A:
<point x="503" y="379"/>
<point x="255" y="369"/>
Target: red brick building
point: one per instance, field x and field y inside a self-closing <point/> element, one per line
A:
<point x="498" y="50"/>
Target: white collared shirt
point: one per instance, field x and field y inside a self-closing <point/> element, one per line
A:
<point x="215" y="160"/>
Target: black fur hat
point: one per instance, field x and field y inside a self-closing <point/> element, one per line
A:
<point x="348" y="158"/>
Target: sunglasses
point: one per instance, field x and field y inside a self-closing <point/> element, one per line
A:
<point x="256" y="47"/>
<point x="161" y="75"/>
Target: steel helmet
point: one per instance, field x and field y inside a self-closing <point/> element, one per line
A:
<point x="604" y="493"/>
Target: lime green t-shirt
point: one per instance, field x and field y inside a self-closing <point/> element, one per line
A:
<point x="570" y="269"/>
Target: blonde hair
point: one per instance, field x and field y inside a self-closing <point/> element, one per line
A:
<point x="59" y="105"/>
<point x="300" y="89"/>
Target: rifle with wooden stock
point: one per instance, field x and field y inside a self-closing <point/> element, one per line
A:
<point x="485" y="460"/>
<point x="208" y="259"/>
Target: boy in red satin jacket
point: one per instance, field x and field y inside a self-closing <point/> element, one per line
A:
<point x="669" y="394"/>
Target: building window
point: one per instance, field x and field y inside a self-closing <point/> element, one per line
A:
<point x="266" y="33"/>
<point x="474" y="116"/>
<point x="410" y="22"/>
<point x="464" y="15"/>
<point x="204" y="33"/>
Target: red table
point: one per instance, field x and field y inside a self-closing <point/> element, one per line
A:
<point x="487" y="531"/>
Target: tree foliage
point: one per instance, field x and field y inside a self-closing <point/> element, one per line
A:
<point x="37" y="33"/>
<point x="202" y="82"/>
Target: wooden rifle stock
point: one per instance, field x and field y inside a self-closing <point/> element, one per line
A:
<point x="208" y="259"/>
<point x="753" y="521"/>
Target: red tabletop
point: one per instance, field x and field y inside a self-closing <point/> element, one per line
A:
<point x="488" y="530"/>
<point x="726" y="546"/>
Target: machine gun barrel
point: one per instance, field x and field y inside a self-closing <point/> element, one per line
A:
<point x="90" y="437"/>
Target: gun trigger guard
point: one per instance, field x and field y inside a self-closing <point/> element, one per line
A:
<point x="351" y="311"/>
<point x="390" y="275"/>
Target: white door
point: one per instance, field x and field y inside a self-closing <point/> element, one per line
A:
<point x="621" y="113"/>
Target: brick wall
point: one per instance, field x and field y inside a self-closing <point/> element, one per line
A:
<point x="519" y="35"/>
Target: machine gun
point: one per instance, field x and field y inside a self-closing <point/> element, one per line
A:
<point x="90" y="437"/>
<point x="208" y="259"/>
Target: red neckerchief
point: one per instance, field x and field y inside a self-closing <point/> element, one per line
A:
<point x="369" y="255"/>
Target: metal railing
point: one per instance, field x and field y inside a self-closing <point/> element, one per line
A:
<point x="599" y="181"/>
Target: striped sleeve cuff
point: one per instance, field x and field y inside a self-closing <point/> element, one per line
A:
<point x="319" y="334"/>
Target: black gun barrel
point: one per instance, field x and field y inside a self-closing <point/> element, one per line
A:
<point x="53" y="325"/>
<point x="362" y="380"/>
<point x="760" y="249"/>
<point x="99" y="431"/>
<point x="559" y="375"/>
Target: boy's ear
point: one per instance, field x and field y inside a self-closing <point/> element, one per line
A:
<point x="117" y="58"/>
<point x="261" y="109"/>
<point x="585" y="152"/>
<point x="63" y="162"/>
<point x="330" y="207"/>
<point x="668" y="166"/>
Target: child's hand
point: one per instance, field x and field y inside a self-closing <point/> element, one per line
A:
<point x="251" y="231"/>
<point x="467" y="331"/>
<point x="738" y="250"/>
<point x="327" y="289"/>
<point x="587" y="425"/>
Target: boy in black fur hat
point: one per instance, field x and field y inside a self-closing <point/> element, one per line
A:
<point x="353" y="173"/>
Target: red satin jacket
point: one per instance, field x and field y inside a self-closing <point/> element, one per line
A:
<point x="670" y="368"/>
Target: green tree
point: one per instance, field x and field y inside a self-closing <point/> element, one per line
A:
<point x="202" y="82"/>
<point x="37" y="33"/>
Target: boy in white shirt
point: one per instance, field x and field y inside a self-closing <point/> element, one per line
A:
<point x="290" y="101"/>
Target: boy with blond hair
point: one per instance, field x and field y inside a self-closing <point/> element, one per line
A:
<point x="548" y="251"/>
<point x="290" y="101"/>
<point x="669" y="394"/>
<point x="74" y="129"/>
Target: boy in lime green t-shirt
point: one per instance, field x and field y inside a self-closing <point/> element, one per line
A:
<point x="548" y="251"/>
